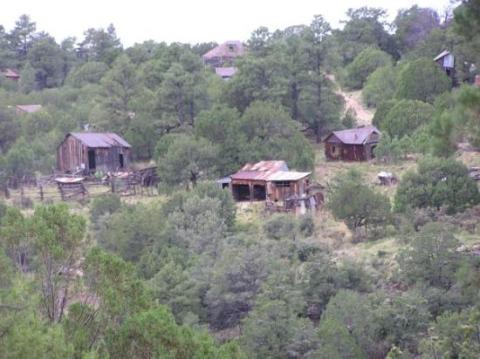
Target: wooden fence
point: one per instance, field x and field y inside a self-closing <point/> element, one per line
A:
<point x="46" y="189"/>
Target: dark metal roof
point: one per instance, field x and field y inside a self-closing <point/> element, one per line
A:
<point x="103" y="140"/>
<point x="354" y="136"/>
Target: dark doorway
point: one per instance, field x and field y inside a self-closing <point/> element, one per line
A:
<point x="91" y="160"/>
<point x="259" y="193"/>
<point x="241" y="192"/>
<point x="120" y="160"/>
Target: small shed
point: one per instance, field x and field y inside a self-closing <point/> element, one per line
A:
<point x="88" y="152"/>
<point x="267" y="180"/>
<point x="356" y="144"/>
<point x="447" y="61"/>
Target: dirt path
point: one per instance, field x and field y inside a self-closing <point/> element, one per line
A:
<point x="353" y="100"/>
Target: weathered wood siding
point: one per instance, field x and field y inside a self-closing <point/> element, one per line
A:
<point x="72" y="155"/>
<point x="274" y="191"/>
<point x="108" y="159"/>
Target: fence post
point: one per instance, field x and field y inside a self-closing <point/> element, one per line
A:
<point x="41" y="192"/>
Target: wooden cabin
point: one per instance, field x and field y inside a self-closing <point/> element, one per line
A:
<point x="267" y="180"/>
<point x="355" y="144"/>
<point x="447" y="62"/>
<point x="88" y="152"/>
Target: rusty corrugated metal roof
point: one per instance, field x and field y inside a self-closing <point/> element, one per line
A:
<point x="260" y="170"/>
<point x="354" y="136"/>
<point x="288" y="176"/>
<point x="99" y="139"/>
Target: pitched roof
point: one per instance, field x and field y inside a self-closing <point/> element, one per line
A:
<point x="11" y="73"/>
<point x="29" y="108"/>
<point x="227" y="49"/>
<point x="442" y="54"/>
<point x="225" y="71"/>
<point x="354" y="136"/>
<point x="288" y="176"/>
<point x="97" y="139"/>
<point x="260" y="170"/>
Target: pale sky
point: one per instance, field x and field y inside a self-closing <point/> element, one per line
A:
<point x="187" y="21"/>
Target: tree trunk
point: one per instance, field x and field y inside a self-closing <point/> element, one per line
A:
<point x="318" y="133"/>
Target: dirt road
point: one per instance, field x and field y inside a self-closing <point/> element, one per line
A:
<point x="353" y="100"/>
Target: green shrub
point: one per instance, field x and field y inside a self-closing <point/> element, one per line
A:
<point x="104" y="204"/>
<point x="437" y="183"/>
<point x="280" y="226"/>
<point x="306" y="226"/>
<point x="364" y="64"/>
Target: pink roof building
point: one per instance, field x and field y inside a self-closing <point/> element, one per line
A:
<point x="22" y="109"/>
<point x="11" y="74"/>
<point x="224" y="53"/>
<point x="225" y="73"/>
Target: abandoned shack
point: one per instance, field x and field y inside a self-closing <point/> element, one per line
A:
<point x="88" y="152"/>
<point x="355" y="144"/>
<point x="266" y="180"/>
<point x="446" y="60"/>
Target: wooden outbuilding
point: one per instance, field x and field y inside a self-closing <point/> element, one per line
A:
<point x="355" y="144"/>
<point x="88" y="152"/>
<point x="447" y="62"/>
<point x="267" y="180"/>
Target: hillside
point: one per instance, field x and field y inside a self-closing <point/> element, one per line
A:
<point x="224" y="200"/>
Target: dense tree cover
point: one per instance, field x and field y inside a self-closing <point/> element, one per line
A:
<point x="414" y="25"/>
<point x="365" y="27"/>
<point x="437" y="183"/>
<point x="164" y="276"/>
<point x="110" y="311"/>
<point x="357" y="204"/>
<point x="405" y="117"/>
<point x="380" y="86"/>
<point x="422" y="80"/>
<point x="393" y="149"/>
<point x="363" y="65"/>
